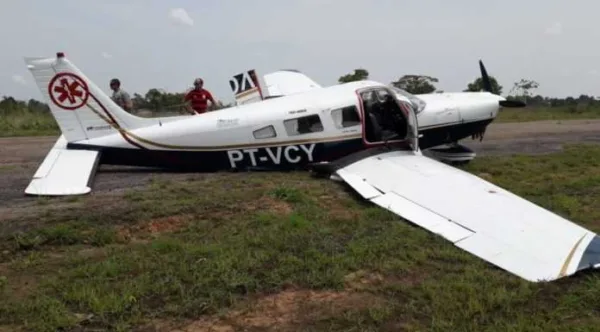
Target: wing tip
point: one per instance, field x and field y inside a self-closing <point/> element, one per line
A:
<point x="32" y="191"/>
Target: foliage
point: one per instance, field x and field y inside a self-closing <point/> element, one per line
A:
<point x="358" y="75"/>
<point x="477" y="85"/>
<point x="9" y="105"/>
<point x="18" y="117"/>
<point x="416" y="84"/>
<point x="523" y="88"/>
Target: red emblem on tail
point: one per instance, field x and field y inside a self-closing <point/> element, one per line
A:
<point x="68" y="91"/>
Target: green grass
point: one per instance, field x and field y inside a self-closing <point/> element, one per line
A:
<point x="547" y="113"/>
<point x="218" y="249"/>
<point x="27" y="124"/>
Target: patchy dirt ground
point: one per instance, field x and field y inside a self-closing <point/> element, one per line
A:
<point x="20" y="157"/>
<point x="535" y="137"/>
<point x="282" y="311"/>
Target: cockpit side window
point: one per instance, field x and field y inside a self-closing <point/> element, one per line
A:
<point x="345" y="117"/>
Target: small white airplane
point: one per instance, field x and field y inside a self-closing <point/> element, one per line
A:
<point x="444" y="118"/>
<point x="363" y="133"/>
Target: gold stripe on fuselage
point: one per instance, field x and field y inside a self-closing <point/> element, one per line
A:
<point x="223" y="147"/>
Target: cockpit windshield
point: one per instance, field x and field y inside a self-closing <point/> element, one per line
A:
<point x="418" y="103"/>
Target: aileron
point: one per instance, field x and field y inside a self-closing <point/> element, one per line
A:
<point x="366" y="190"/>
<point x="422" y="217"/>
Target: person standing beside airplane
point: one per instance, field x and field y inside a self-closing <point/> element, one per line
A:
<point x="120" y="96"/>
<point x="197" y="99"/>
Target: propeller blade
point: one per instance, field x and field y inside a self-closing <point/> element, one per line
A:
<point x="512" y="103"/>
<point x="485" y="79"/>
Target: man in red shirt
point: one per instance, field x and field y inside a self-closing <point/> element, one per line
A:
<point x="197" y="99"/>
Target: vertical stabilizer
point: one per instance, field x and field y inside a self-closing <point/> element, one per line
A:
<point x="247" y="87"/>
<point x="81" y="109"/>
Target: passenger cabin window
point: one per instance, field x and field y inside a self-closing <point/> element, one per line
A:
<point x="266" y="132"/>
<point x="345" y="117"/>
<point x="303" y="125"/>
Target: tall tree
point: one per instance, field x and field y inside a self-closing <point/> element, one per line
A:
<point x="358" y="75"/>
<point x="416" y="84"/>
<point x="524" y="87"/>
<point x="477" y="86"/>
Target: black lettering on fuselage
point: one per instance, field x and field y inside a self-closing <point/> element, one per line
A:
<point x="271" y="156"/>
<point x="243" y="82"/>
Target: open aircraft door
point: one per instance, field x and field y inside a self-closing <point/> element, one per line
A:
<point x="412" y="134"/>
<point x="386" y="119"/>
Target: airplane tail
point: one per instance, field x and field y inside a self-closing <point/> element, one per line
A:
<point x="247" y="88"/>
<point x="81" y="109"/>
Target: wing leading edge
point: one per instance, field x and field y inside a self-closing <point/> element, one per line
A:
<point x="475" y="215"/>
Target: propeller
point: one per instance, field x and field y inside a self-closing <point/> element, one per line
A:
<point x="487" y="86"/>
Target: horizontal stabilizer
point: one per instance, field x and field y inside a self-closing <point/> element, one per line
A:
<point x="288" y="82"/>
<point x="64" y="172"/>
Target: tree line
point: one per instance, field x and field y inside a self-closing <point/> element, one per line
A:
<point x="521" y="90"/>
<point x="156" y="100"/>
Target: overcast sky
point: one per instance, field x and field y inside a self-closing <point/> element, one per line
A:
<point x="166" y="44"/>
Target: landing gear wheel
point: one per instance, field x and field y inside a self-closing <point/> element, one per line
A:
<point x="460" y="162"/>
<point x="453" y="154"/>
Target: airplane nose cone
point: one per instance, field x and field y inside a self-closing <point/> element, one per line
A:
<point x="478" y="107"/>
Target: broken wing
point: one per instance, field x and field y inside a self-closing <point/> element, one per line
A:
<point x="477" y="216"/>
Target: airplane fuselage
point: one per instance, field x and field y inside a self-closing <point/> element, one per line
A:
<point x="444" y="118"/>
<point x="285" y="133"/>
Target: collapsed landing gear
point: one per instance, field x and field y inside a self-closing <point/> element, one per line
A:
<point x="454" y="154"/>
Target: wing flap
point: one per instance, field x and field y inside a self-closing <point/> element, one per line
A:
<point x="363" y="188"/>
<point x="64" y="172"/>
<point x="422" y="217"/>
<point x="477" y="216"/>
<point x="407" y="209"/>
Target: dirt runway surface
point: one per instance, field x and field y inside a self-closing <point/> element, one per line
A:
<point x="20" y="157"/>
